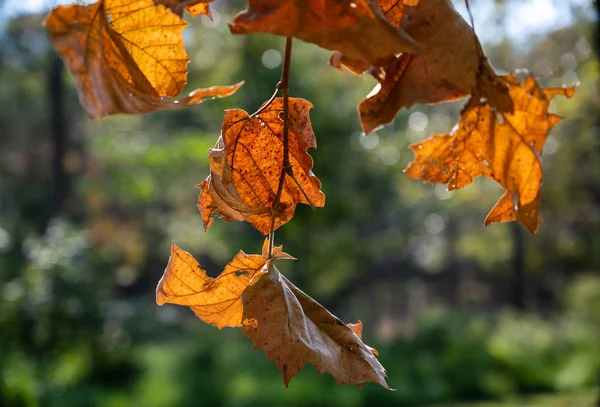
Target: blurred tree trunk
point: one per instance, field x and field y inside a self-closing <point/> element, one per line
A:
<point x="517" y="278"/>
<point x="59" y="129"/>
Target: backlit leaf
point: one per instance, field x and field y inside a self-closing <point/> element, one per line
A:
<point x="446" y="70"/>
<point x="247" y="162"/>
<point x="129" y="64"/>
<point x="216" y="301"/>
<point x="357" y="28"/>
<point x="505" y="147"/>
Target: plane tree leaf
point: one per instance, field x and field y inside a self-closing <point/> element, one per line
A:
<point x="357" y="28"/>
<point x="216" y="301"/>
<point x="505" y="147"/>
<point x="293" y="330"/>
<point x="129" y="64"/>
<point x="246" y="166"/>
<point x="448" y="68"/>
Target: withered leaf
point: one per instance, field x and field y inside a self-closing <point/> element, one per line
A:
<point x="393" y="10"/>
<point x="357" y="28"/>
<point x="293" y="329"/>
<point x="446" y="70"/>
<point x="505" y="147"/>
<point x="194" y="7"/>
<point x="246" y="166"/>
<point x="129" y="64"/>
<point x="216" y="301"/>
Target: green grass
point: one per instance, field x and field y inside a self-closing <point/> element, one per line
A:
<point x="587" y="399"/>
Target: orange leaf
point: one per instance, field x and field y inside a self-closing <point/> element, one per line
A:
<point x="357" y="28"/>
<point x="125" y="66"/>
<point x="446" y="70"/>
<point x="194" y="7"/>
<point x="505" y="147"/>
<point x="293" y="329"/>
<point x="246" y="165"/>
<point x="216" y="301"/>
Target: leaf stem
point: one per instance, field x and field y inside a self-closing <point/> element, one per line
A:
<point x="268" y="102"/>
<point x="286" y="168"/>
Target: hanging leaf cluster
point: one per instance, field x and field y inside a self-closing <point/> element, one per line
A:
<point x="127" y="56"/>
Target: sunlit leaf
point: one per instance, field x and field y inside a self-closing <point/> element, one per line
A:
<point x="505" y="147"/>
<point x="216" y="301"/>
<point x="129" y="64"/>
<point x="357" y="28"/>
<point x="247" y="162"/>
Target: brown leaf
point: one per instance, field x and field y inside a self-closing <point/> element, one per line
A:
<point x="502" y="146"/>
<point x="293" y="329"/>
<point x="246" y="166"/>
<point x="357" y="28"/>
<point x="194" y="7"/>
<point x="393" y="10"/>
<point x="127" y="65"/>
<point x="216" y="301"/>
<point x="446" y="70"/>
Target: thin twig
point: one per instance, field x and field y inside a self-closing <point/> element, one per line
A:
<point x="286" y="168"/>
<point x="470" y="15"/>
<point x="268" y="102"/>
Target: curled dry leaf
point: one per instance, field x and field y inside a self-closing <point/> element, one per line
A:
<point x="216" y="301"/>
<point x="194" y="7"/>
<point x="128" y="64"/>
<point x="357" y="28"/>
<point x="447" y="69"/>
<point x="505" y="147"/>
<point x="450" y="66"/>
<point x="246" y="165"/>
<point x="393" y="10"/>
<point x="293" y="329"/>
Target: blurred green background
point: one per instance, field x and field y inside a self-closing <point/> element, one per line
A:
<point x="460" y="314"/>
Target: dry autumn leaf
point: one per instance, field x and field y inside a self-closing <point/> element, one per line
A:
<point x="451" y="65"/>
<point x="447" y="69"/>
<point x="502" y="146"/>
<point x="393" y="10"/>
<point x="357" y="28"/>
<point x="194" y="7"/>
<point x="129" y="64"/>
<point x="293" y="330"/>
<point x="246" y="166"/>
<point x="216" y="301"/>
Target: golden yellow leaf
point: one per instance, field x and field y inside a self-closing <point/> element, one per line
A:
<point x="247" y="162"/>
<point x="216" y="301"/>
<point x="127" y="65"/>
<point x="293" y="329"/>
<point x="357" y="28"/>
<point x="505" y="147"/>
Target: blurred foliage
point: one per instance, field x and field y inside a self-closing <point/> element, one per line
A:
<point x="457" y="312"/>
